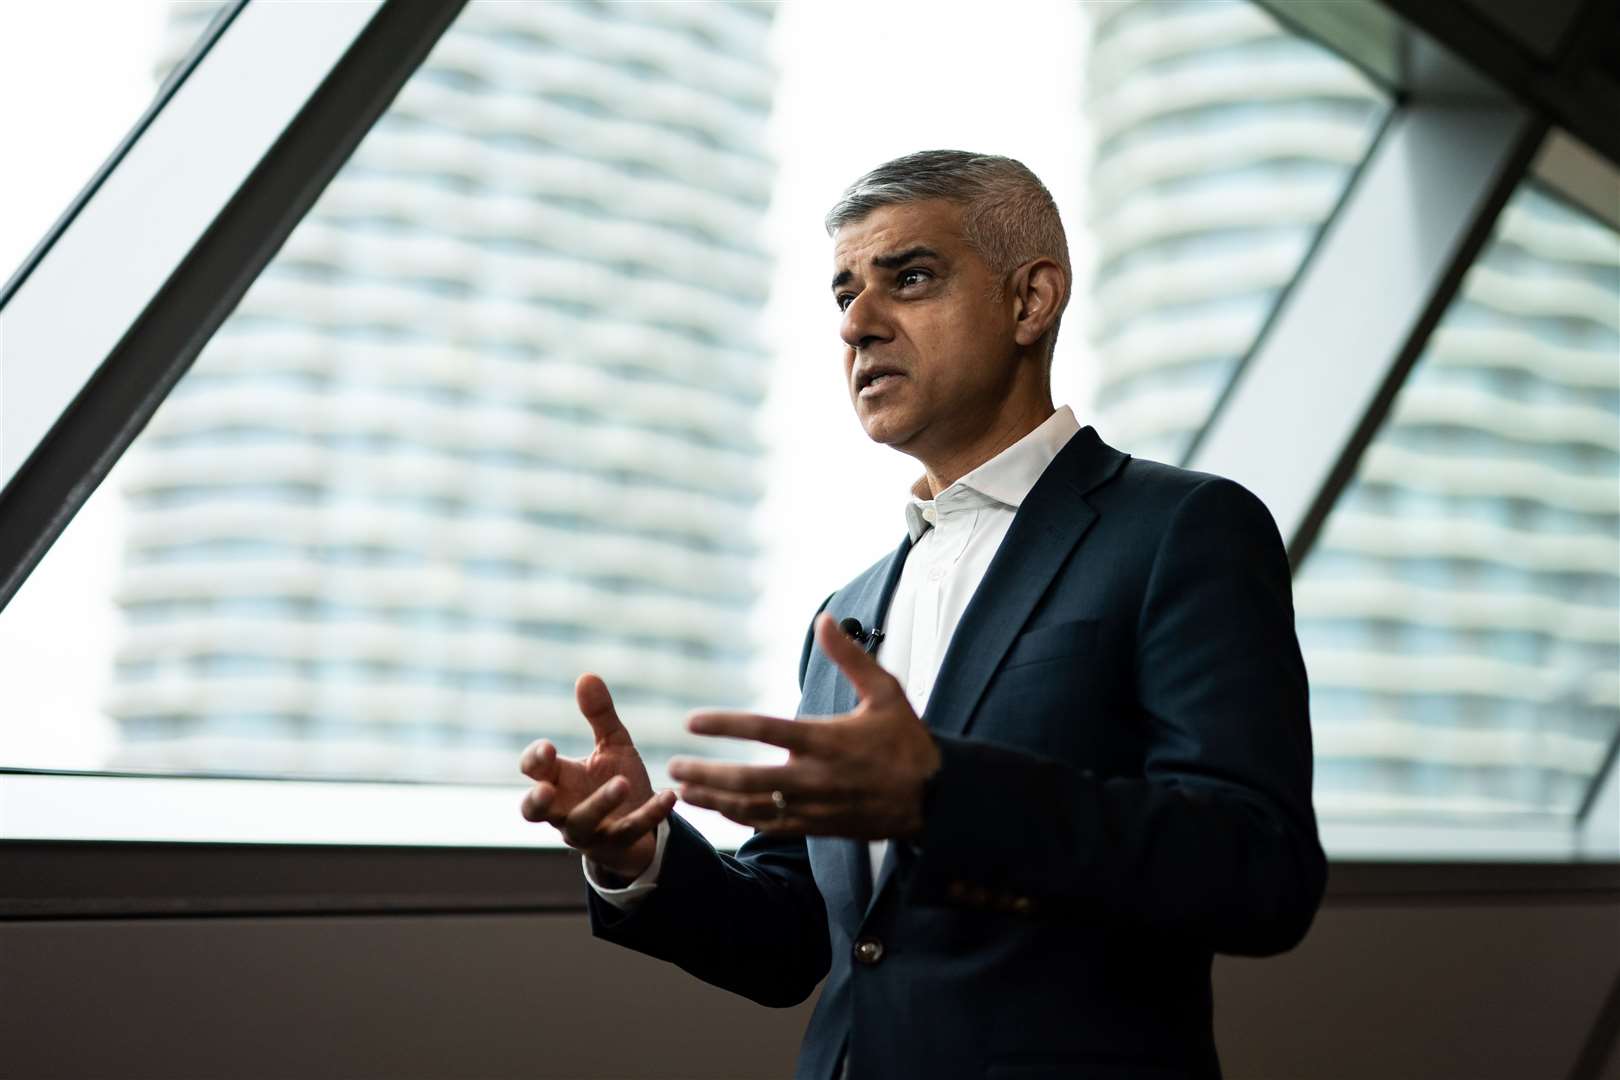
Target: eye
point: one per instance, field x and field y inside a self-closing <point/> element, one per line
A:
<point x="843" y="300"/>
<point x="908" y="278"/>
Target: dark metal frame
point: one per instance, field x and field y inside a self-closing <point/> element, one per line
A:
<point x="1566" y="88"/>
<point x="54" y="880"/>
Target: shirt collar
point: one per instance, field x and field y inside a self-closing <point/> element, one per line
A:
<point x="1006" y="478"/>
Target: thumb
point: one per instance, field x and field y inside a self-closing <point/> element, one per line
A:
<point x="862" y="670"/>
<point x="596" y="705"/>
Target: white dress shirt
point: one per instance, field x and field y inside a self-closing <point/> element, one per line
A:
<point x="953" y="538"/>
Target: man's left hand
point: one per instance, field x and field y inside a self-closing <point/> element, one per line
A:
<point x="859" y="775"/>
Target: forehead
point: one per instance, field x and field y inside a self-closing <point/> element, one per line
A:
<point x="932" y="223"/>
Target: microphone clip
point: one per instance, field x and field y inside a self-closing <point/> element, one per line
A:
<point x="867" y="639"/>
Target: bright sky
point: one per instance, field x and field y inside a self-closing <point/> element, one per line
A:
<point x="860" y="83"/>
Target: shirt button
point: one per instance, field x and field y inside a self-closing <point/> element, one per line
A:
<point x="929" y="515"/>
<point x="868" y="951"/>
<point x="935" y="573"/>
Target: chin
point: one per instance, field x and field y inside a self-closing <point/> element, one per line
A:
<point x="890" y="431"/>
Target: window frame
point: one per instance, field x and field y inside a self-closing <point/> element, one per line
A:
<point x="73" y="880"/>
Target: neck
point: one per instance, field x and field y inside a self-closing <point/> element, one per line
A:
<point x="1010" y="423"/>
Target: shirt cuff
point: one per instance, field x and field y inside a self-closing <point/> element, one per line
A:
<point x="633" y="894"/>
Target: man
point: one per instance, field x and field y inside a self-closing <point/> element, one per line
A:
<point x="1079" y="763"/>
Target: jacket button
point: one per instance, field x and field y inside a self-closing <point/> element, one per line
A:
<point x="868" y="950"/>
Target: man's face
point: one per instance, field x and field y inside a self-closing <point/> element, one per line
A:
<point x="928" y="344"/>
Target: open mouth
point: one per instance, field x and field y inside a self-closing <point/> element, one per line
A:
<point x="873" y="381"/>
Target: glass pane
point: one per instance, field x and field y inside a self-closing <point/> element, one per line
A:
<point x="1461" y="610"/>
<point x="96" y="86"/>
<point x="1221" y="144"/>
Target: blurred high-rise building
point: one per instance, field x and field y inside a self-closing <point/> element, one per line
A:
<point x="1460" y="612"/>
<point x="486" y="421"/>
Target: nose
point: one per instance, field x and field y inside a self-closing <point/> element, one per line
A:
<point x="865" y="323"/>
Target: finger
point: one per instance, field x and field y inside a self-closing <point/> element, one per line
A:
<point x="860" y="667"/>
<point x="743" y="809"/>
<point x="631" y="827"/>
<point x="580" y="825"/>
<point x="539" y="761"/>
<point x="738" y="778"/>
<point x="596" y="705"/>
<point x="794" y="735"/>
<point x="536" y="800"/>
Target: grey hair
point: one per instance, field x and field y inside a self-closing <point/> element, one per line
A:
<point x="1008" y="216"/>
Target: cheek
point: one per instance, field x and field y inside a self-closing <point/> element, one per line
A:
<point x="950" y="357"/>
<point x="980" y="351"/>
<point x="982" y="328"/>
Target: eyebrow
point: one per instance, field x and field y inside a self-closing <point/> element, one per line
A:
<point x="890" y="262"/>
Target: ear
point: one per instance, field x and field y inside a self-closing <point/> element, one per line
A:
<point x="1039" y="290"/>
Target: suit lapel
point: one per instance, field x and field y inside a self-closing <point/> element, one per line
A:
<point x="868" y="602"/>
<point x="1048" y="526"/>
<point x="841" y="869"/>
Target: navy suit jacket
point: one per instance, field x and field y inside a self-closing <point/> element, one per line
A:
<point x="1125" y="791"/>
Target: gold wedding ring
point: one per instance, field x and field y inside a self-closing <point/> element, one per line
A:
<point x="779" y="801"/>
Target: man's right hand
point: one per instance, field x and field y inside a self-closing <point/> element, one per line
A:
<point x="604" y="804"/>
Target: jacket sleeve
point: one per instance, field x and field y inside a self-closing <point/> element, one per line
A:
<point x="753" y="923"/>
<point x="1216" y="840"/>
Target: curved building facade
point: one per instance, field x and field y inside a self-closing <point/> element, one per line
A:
<point x="1460" y="613"/>
<point x="486" y="421"/>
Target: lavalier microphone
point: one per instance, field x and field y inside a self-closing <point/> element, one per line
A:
<point x="867" y="639"/>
